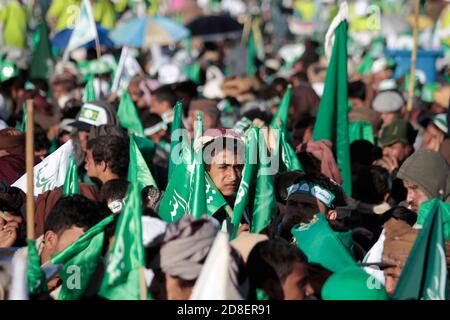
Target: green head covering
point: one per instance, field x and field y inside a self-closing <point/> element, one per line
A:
<point x="353" y="284"/>
<point x="398" y="131"/>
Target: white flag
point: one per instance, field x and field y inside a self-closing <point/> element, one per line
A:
<point x="127" y="69"/>
<point x="51" y="172"/>
<point x="214" y="279"/>
<point x="84" y="31"/>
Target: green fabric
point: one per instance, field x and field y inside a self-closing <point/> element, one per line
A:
<point x="360" y="130"/>
<point x="147" y="147"/>
<point x="323" y="246"/>
<point x="429" y="90"/>
<point x="176" y="136"/>
<point x="332" y="117"/>
<point x="37" y="283"/>
<point x="14" y="18"/>
<point x="425" y="209"/>
<point x="127" y="257"/>
<point x="128" y="115"/>
<point x="353" y="284"/>
<point x="65" y="12"/>
<point x="424" y="276"/>
<point x="89" y="90"/>
<point x="280" y="119"/>
<point x="264" y="201"/>
<point x="71" y="182"/>
<point x="399" y="130"/>
<point x="192" y="71"/>
<point x="8" y="70"/>
<point x="105" y="13"/>
<point x="42" y="60"/>
<point x="23" y="124"/>
<point x="197" y="205"/>
<point x="80" y="260"/>
<point x="245" y="193"/>
<point x="138" y="171"/>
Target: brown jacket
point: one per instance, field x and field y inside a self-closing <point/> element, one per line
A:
<point x="47" y="200"/>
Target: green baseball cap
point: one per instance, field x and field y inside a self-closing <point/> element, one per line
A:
<point x="398" y="131"/>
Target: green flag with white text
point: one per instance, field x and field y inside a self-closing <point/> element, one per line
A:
<point x="71" y="185"/>
<point x="80" y="260"/>
<point x="127" y="256"/>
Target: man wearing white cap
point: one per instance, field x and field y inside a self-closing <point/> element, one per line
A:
<point x="390" y="104"/>
<point x="435" y="132"/>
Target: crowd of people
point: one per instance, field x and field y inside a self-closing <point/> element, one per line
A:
<point x="302" y="229"/>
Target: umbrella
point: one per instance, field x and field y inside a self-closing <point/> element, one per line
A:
<point x="61" y="39"/>
<point x="144" y="32"/>
<point x="210" y="28"/>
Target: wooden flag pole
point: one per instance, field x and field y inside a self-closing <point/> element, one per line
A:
<point x="412" y="74"/>
<point x="143" y="284"/>
<point x="29" y="166"/>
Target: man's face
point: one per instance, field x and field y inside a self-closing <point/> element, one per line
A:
<point x="136" y="94"/>
<point x="174" y="291"/>
<point x="432" y="138"/>
<point x="415" y="196"/>
<point x="304" y="206"/>
<point x="226" y="171"/>
<point x="93" y="170"/>
<point x="54" y="243"/>
<point x="297" y="286"/>
<point x="388" y="117"/>
<point x="58" y="90"/>
<point x="159" y="107"/>
<point x="83" y="136"/>
<point x="399" y="151"/>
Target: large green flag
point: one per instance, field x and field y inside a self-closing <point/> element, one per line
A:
<point x="332" y="117"/>
<point x="281" y="116"/>
<point x="138" y="171"/>
<point x="127" y="257"/>
<point x="128" y="116"/>
<point x="37" y="283"/>
<point x="176" y="136"/>
<point x="71" y="182"/>
<point x="332" y="250"/>
<point x="264" y="204"/>
<point x="80" y="260"/>
<point x="424" y="276"/>
<point x="42" y="60"/>
<point x="197" y="203"/>
<point x="89" y="90"/>
<point x="246" y="190"/>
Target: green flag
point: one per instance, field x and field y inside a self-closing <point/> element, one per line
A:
<point x="360" y="130"/>
<point x="332" y="117"/>
<point x="147" y="147"/>
<point x="37" y="283"/>
<point x="264" y="201"/>
<point x="332" y="250"/>
<point x="285" y="155"/>
<point x="197" y="203"/>
<point x="176" y="136"/>
<point x="251" y="55"/>
<point x="138" y="171"/>
<point x="80" y="260"/>
<point x="42" y="59"/>
<point x="127" y="257"/>
<point x="128" y="115"/>
<point x="245" y="191"/>
<point x="71" y="182"/>
<point x="424" y="276"/>
<point x="281" y="117"/>
<point x="89" y="90"/>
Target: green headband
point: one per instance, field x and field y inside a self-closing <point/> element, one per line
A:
<point x="323" y="195"/>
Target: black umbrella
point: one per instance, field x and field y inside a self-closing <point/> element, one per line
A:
<point x="210" y="28"/>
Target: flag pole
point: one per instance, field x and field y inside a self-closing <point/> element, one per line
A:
<point x="29" y="166"/>
<point x="143" y="284"/>
<point x="412" y="75"/>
